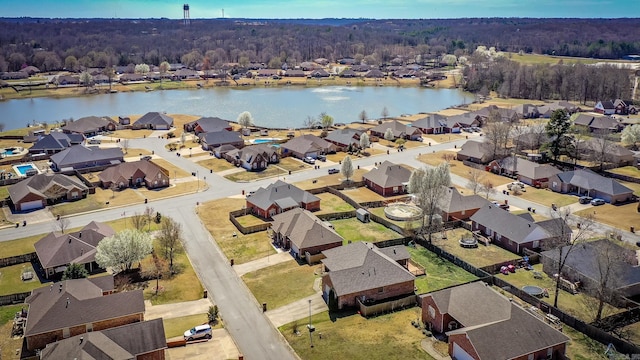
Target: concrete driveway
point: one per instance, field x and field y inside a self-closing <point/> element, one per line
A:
<point x="220" y="347"/>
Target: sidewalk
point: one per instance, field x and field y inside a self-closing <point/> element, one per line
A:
<point x="169" y="311"/>
<point x="297" y="310"/>
<point x="427" y="345"/>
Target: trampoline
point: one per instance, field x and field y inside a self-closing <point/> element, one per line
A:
<point x="468" y="242"/>
<point x="533" y="290"/>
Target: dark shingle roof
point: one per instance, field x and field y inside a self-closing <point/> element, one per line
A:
<point x="155" y="119"/>
<point x="221" y="137"/>
<point x="42" y="185"/>
<point x="528" y="168"/>
<point x="304" y="229"/>
<point x="263" y="198"/>
<point x="589" y="180"/>
<point x="307" y="143"/>
<point x="88" y="124"/>
<point x="399" y="129"/>
<point x="430" y="121"/>
<point x="209" y="124"/>
<point x="345" y="137"/>
<point x="516" y="228"/>
<point x="56" y="141"/>
<point x="388" y="175"/>
<point x="452" y="201"/>
<point x="81" y="154"/>
<point x="126" y="170"/>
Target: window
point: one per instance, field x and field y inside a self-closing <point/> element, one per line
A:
<point x="432" y="312"/>
<point x="462" y="212"/>
<point x="530" y="357"/>
<point x="395" y="190"/>
<point x="90" y="327"/>
<point x="381" y="290"/>
<point x="65" y="333"/>
<point x="549" y="353"/>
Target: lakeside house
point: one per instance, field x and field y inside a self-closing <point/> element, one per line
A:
<point x="37" y="191"/>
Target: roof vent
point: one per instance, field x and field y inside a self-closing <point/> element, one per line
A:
<point x="529" y="225"/>
<point x="81" y="339"/>
<point x="67" y="303"/>
<point x="60" y="288"/>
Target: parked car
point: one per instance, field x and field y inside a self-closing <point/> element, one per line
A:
<point x="309" y="160"/>
<point x="145" y="157"/>
<point x="585" y="199"/>
<point x="516" y="184"/>
<point x="198" y="332"/>
<point x="597" y="202"/>
<point x="333" y="171"/>
<point x="322" y="158"/>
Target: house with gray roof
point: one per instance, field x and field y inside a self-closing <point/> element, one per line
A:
<point x="56" y="250"/>
<point x="207" y="124"/>
<point x="72" y="307"/>
<point x="215" y="139"/>
<point x="307" y="145"/>
<point x="584" y="182"/>
<point x="154" y="121"/>
<point x="528" y="172"/>
<point x="456" y="206"/>
<point x="478" y="152"/>
<point x="527" y="111"/>
<point x="37" y="191"/>
<point x="140" y="340"/>
<point x="547" y="109"/>
<point x="531" y="140"/>
<point x="388" y="179"/>
<point x="512" y="232"/>
<point x="254" y="157"/>
<point x="90" y="125"/>
<point x="506" y="115"/>
<point x="345" y="138"/>
<point x="134" y="174"/>
<point x="602" y="150"/>
<point x="399" y="130"/>
<point x="303" y="234"/>
<point x="432" y="124"/>
<point x="279" y="197"/>
<point x="596" y="122"/>
<point x="374" y="74"/>
<point x="624" y="270"/>
<point x="361" y="273"/>
<point x="456" y="122"/>
<point x="81" y="157"/>
<point x="55" y="142"/>
<point x="475" y="317"/>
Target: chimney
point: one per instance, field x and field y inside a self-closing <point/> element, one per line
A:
<point x="80" y="234"/>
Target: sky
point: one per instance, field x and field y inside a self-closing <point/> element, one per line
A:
<point x="377" y="9"/>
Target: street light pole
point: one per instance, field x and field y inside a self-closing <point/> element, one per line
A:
<point x="198" y="179"/>
<point x="311" y="328"/>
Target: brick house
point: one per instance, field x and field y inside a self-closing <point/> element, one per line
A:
<point x="398" y="129"/>
<point x="432" y="124"/>
<point x="37" y="191"/>
<point x="55" y="142"/>
<point x="90" y="125"/>
<point x="388" y="179"/>
<point x="587" y="182"/>
<point x="301" y="232"/>
<point x="528" y="172"/>
<point x="475" y="151"/>
<point x="307" y="146"/>
<point x="207" y="124"/>
<point x="143" y="340"/>
<point x="215" y="139"/>
<point x="361" y="272"/>
<point x="254" y="157"/>
<point x="135" y="173"/>
<point x="83" y="157"/>
<point x="473" y="317"/>
<point x="154" y="121"/>
<point x="74" y="307"/>
<point x="345" y="138"/>
<point x="280" y="197"/>
<point x="456" y="206"/>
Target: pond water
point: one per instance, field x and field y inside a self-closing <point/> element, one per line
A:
<point x="285" y="107"/>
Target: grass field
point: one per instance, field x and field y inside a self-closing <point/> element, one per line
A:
<point x="282" y="284"/>
<point x="547" y="197"/>
<point x="618" y="216"/>
<point x="353" y="230"/>
<point x="329" y="180"/>
<point x="271" y="171"/>
<point x="9" y="345"/>
<point x="216" y="164"/>
<point x="478" y="257"/>
<point x="363" y="194"/>
<point x="440" y="272"/>
<point x="627" y="170"/>
<point x="535" y="59"/>
<point x="330" y="203"/>
<point x="11" y="283"/>
<point x="351" y="336"/>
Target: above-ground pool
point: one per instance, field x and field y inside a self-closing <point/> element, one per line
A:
<point x="402" y="212"/>
<point x="264" y="140"/>
<point x="25" y="169"/>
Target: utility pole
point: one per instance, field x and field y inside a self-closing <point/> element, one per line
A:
<point x="310" y="327"/>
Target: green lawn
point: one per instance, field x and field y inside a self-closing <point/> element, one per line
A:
<point x="478" y="257"/>
<point x="183" y="286"/>
<point x="330" y="203"/>
<point x="175" y="327"/>
<point x="416" y="224"/>
<point x="11" y="283"/>
<point x="282" y="284"/>
<point x="8" y="345"/>
<point x="354" y="230"/>
<point x="627" y="170"/>
<point x="440" y="272"/>
<point x="582" y="347"/>
<point x="363" y="194"/>
<point x="4" y="192"/>
<point x="351" y="336"/>
<point x="547" y="197"/>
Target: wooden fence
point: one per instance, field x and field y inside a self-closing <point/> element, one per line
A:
<point x="337" y="215"/>
<point x="246" y="229"/>
<point x="622" y="177"/>
<point x="387" y="306"/>
<point x="16" y="298"/>
<point x="18" y="259"/>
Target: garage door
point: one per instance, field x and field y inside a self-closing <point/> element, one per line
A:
<point x="30" y="205"/>
<point x="312" y="154"/>
<point x="460" y="354"/>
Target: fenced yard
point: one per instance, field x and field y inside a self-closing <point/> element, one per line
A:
<point x="480" y="256"/>
<point x="441" y="273"/>
<point x="353" y="230"/>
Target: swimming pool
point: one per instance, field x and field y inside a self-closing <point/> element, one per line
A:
<point x="23" y="169"/>
<point x="264" y="140"/>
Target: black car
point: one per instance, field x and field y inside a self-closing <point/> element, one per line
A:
<point x="333" y="171"/>
<point x="585" y="199"/>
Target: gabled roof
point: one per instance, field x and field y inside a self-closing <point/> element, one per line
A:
<point x="56" y="141"/>
<point x="399" y="129"/>
<point x="589" y="180"/>
<point x="88" y="124"/>
<point x="505" y="114"/>
<point x="248" y="154"/>
<point x="374" y="73"/>
<point x="362" y="266"/>
<point x="77" y="302"/>
<point x="127" y="170"/>
<point x="515" y="228"/>
<point x="154" y="118"/>
<point x="526" y="109"/>
<point x="475" y="149"/>
<point x="307" y="143"/>
<point x="81" y="154"/>
<point x="388" y="175"/>
<point x="263" y="198"/>
<point x="45" y="186"/>
<point x="528" y="168"/>
<point x="123" y="342"/>
<point x="345" y="137"/>
<point x="77" y="247"/>
<point x="210" y="124"/>
<point x="604" y="123"/>
<point x="221" y="137"/>
<point x="466" y="119"/>
<point x="304" y="229"/>
<point x="606" y="104"/>
<point x="452" y="201"/>
<point x="611" y="148"/>
<point x="430" y="121"/>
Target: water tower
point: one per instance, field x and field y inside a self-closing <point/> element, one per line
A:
<point x="186" y="19"/>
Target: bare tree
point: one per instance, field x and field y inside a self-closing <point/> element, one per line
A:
<point x="497" y="134"/>
<point x="2" y="126"/>
<point x="448" y="156"/>
<point x="62" y="223"/>
<point x="124" y="144"/>
<point x="486" y="187"/>
<point x="310" y="122"/>
<point x="363" y="116"/>
<point x="428" y="185"/>
<point x="169" y="237"/>
<point x="139" y="221"/>
<point x="578" y="143"/>
<point x="607" y="263"/>
<point x="384" y="113"/>
<point x="600" y="148"/>
<point x="160" y="267"/>
<point x="476" y="178"/>
<point x="148" y="213"/>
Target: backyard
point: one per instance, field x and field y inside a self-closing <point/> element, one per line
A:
<point x="11" y="281"/>
<point x="329" y="180"/>
<point x="440" y="272"/>
<point x="283" y="283"/>
<point x="351" y="336"/>
<point x="330" y="203"/>
<point x="363" y="194"/>
<point x="353" y="230"/>
<point x="478" y="257"/>
<point x="8" y="344"/>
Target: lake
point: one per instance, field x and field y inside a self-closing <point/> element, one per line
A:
<point x="282" y="107"/>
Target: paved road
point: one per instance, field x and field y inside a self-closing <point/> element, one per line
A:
<point x="255" y="335"/>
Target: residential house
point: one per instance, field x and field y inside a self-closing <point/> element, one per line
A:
<point x="303" y="234"/>
<point x="399" y="130"/>
<point x="528" y="172"/>
<point x="361" y="68"/>
<point x="456" y="122"/>
<point x="207" y="124"/>
<point x="154" y="121"/>
<point x="527" y="111"/>
<point x="346" y="61"/>
<point x="606" y="151"/>
<point x="605" y="107"/>
<point x="345" y="139"/>
<point x="306" y="146"/>
<point x="624" y="266"/>
<point x="624" y="107"/>
<point x="64" y="80"/>
<point x="90" y="126"/>
<point x="268" y="72"/>
<point x="143" y="340"/>
<point x="319" y="73"/>
<point x="294" y="73"/>
<point x="57" y="250"/>
<point x="548" y="109"/>
<point x="37" y="191"/>
<point x="374" y="74"/>
<point x="15" y="75"/>
<point x="456" y="206"/>
<point x="55" y="142"/>
<point x="279" y="197"/>
<point x="221" y="150"/>
<point x="81" y="157"/>
<point x="254" y="157"/>
<point x="530" y="140"/>
<point x="75" y="307"/>
<point x="475" y="317"/>
<point x="588" y="183"/>
<point x="130" y="78"/>
<point x="596" y="123"/>
<point x="215" y="139"/>
<point x="506" y="115"/>
<point x="134" y="174"/>
<point x="432" y="124"/>
<point x="512" y="232"/>
<point x="348" y="73"/>
<point x="186" y="74"/>
<point x="388" y="179"/>
<point x="361" y="273"/>
<point x="475" y="151"/>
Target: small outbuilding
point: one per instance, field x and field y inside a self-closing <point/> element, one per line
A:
<point x="362" y="215"/>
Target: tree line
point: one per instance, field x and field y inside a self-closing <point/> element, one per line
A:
<point x="54" y="44"/>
